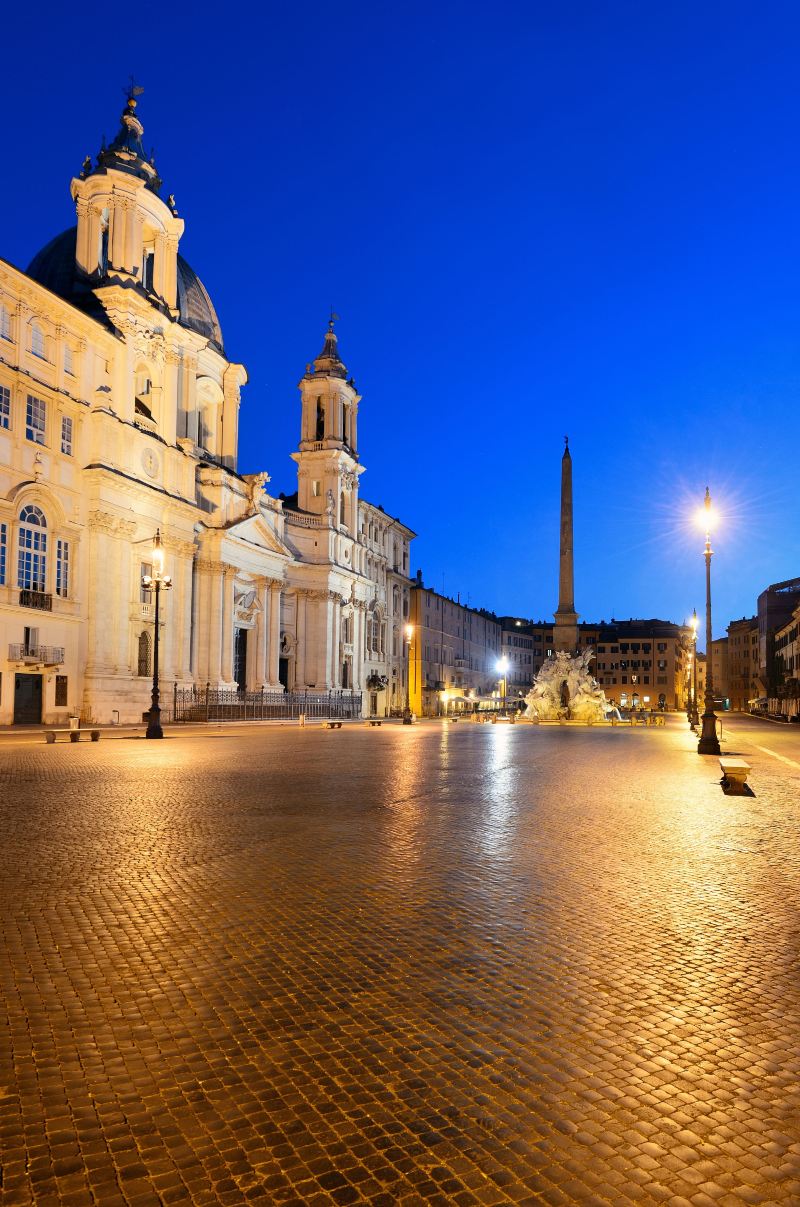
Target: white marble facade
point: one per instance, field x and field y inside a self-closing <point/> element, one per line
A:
<point x="119" y="416"/>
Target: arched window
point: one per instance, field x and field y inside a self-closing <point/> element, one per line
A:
<point x="32" y="560"/>
<point x="341" y="508"/>
<point x="143" y="662"/>
<point x="37" y="340"/>
<point x="102" y="244"/>
<point x="320" y="432"/>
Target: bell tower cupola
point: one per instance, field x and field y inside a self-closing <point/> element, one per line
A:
<point x="126" y="234"/>
<point x="327" y="457"/>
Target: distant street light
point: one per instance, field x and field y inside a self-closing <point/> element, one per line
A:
<point x="408" y="633"/>
<point x="502" y="667"/>
<point x="694" y="719"/>
<point x="157" y="582"/>
<point x="709" y="742"/>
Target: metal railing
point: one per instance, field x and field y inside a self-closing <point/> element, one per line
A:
<point x="217" y="704"/>
<point x="35" y="599"/>
<point x="50" y="655"/>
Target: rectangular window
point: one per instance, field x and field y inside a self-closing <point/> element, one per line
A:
<point x="66" y="435"/>
<point x="3" y="546"/>
<point x="61" y="691"/>
<point x="316" y="488"/>
<point x="62" y="568"/>
<point x="5" y="406"/>
<point x="37" y="341"/>
<point x="148" y="266"/>
<point x="5" y="323"/>
<point x="69" y="362"/>
<point x="35" y="419"/>
<point x="145" y="571"/>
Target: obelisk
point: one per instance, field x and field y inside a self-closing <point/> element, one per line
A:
<point x="565" y="631"/>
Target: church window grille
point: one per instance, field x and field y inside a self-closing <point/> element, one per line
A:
<point x="143" y="655"/>
<point x="5" y="407"/>
<point x="66" y="435"/>
<point x="35" y="419"/>
<point x="32" y="559"/>
<point x="62" y="568"/>
<point x="61" y="691"/>
<point x="37" y="341"/>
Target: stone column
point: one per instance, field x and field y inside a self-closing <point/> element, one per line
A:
<point x="262" y="636"/>
<point x="274" y="633"/>
<point x="301" y="640"/>
<point x="227" y="624"/>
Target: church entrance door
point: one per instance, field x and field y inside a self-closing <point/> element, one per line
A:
<point x="240" y="658"/>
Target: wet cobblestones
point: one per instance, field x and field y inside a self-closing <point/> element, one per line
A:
<point x="467" y="965"/>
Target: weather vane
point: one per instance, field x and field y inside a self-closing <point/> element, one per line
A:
<point x="133" y="90"/>
<point x="566" y="441"/>
<point x="333" y="319"/>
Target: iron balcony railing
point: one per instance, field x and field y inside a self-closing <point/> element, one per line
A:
<point x="216" y="704"/>
<point x="35" y="599"/>
<point x="49" y="655"/>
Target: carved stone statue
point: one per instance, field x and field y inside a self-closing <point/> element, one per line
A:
<point x="565" y="690"/>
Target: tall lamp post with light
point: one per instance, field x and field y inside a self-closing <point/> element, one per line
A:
<point x="156" y="582"/>
<point x="694" y="719"/>
<point x="408" y="633"/>
<point x="709" y="742"/>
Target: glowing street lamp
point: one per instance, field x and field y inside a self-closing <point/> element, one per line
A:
<point x="408" y="633"/>
<point x="709" y="742"/>
<point x="158" y="581"/>
<point x="502" y="668"/>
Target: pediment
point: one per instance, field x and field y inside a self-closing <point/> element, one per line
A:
<point x="256" y="531"/>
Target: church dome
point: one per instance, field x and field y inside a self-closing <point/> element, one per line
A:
<point x="55" y="267"/>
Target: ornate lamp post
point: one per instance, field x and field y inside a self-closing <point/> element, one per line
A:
<point x="709" y="742"/>
<point x="502" y="667"/>
<point x="157" y="582"/>
<point x="694" y="719"/>
<point x="408" y="633"/>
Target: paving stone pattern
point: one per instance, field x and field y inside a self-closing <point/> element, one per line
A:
<point x="430" y="965"/>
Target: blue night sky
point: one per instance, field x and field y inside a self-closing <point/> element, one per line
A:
<point x="534" y="219"/>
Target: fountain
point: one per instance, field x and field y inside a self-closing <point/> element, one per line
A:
<point x="565" y="690"/>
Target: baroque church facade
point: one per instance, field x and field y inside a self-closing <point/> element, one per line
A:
<point x="118" y="417"/>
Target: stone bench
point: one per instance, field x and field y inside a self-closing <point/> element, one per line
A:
<point x="332" y="725"/>
<point x="74" y="735"/>
<point x="734" y="774"/>
<point x="373" y="721"/>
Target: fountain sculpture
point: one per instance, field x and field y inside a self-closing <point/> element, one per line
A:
<point x="565" y="690"/>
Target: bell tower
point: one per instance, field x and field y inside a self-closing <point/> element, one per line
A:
<point x="126" y="234"/>
<point x="327" y="456"/>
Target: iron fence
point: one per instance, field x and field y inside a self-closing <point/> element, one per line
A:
<point x="217" y="704"/>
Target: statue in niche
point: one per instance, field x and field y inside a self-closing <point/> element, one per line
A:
<point x="565" y="696"/>
<point x="330" y="503"/>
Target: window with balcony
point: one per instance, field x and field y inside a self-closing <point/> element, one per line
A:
<point x="35" y="419"/>
<point x="5" y="407"/>
<point x="32" y="562"/>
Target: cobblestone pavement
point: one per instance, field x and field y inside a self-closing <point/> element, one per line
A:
<point x="430" y="965"/>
